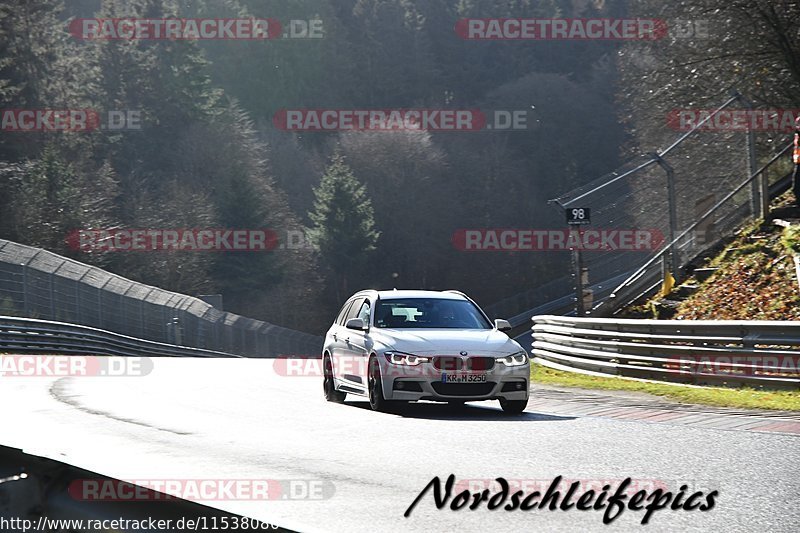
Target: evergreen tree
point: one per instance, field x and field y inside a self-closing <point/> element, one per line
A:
<point x="343" y="227"/>
<point x="50" y="198"/>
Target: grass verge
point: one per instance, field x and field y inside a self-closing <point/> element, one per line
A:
<point x="718" y="396"/>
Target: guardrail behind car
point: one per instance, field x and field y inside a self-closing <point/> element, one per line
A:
<point x="704" y="352"/>
<point x="28" y="335"/>
<point x="35" y="283"/>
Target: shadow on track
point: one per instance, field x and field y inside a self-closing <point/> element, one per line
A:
<point x="469" y="411"/>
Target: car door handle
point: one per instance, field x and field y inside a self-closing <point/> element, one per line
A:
<point x="334" y="337"/>
<point x="347" y="340"/>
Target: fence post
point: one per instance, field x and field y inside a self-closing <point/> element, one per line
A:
<point x="25" y="303"/>
<point x="577" y="264"/>
<point x="215" y="332"/>
<point x="52" y="297"/>
<point x="123" y="325"/>
<point x="664" y="268"/>
<point x="78" y="316"/>
<point x="177" y="330"/>
<point x="759" y="192"/>
<point x="673" y="209"/>
<point x="141" y="314"/>
<point x="100" y="303"/>
<point x="587" y="294"/>
<point x="200" y="332"/>
<point x="78" y="283"/>
<point x="165" y="321"/>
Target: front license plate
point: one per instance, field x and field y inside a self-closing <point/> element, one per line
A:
<point x="463" y="378"/>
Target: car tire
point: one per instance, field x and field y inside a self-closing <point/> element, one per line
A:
<point x="513" y="407"/>
<point x="375" y="388"/>
<point x="328" y="384"/>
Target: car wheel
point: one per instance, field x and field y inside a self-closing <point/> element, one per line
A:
<point x="328" y="386"/>
<point x="513" y="407"/>
<point x="376" y="399"/>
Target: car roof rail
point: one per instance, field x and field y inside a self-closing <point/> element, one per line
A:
<point x="457" y="292"/>
<point x="365" y="292"/>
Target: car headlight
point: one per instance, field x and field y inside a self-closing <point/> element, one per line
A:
<point x="400" y="358"/>
<point x="515" y="359"/>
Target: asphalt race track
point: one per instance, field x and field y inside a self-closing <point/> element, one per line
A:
<point x="240" y="419"/>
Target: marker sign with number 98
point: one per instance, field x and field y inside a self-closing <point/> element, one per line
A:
<point x="578" y="215"/>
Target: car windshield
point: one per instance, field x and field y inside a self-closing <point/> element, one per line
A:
<point x="438" y="313"/>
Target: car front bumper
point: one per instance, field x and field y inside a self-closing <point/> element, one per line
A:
<point x="426" y="383"/>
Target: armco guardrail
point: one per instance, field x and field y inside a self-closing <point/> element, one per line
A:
<point x="35" y="283"/>
<point x="704" y="352"/>
<point x="27" y="335"/>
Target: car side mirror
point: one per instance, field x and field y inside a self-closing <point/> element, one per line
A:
<point x="502" y="325"/>
<point x="357" y="324"/>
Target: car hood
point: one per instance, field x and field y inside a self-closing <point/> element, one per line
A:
<point x="445" y="341"/>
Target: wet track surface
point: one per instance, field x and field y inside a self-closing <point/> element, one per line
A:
<point x="239" y="419"/>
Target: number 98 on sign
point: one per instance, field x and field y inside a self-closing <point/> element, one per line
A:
<point x="577" y="216"/>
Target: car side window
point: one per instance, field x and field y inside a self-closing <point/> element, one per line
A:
<point x="354" y="309"/>
<point x="343" y="313"/>
<point x="363" y="313"/>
